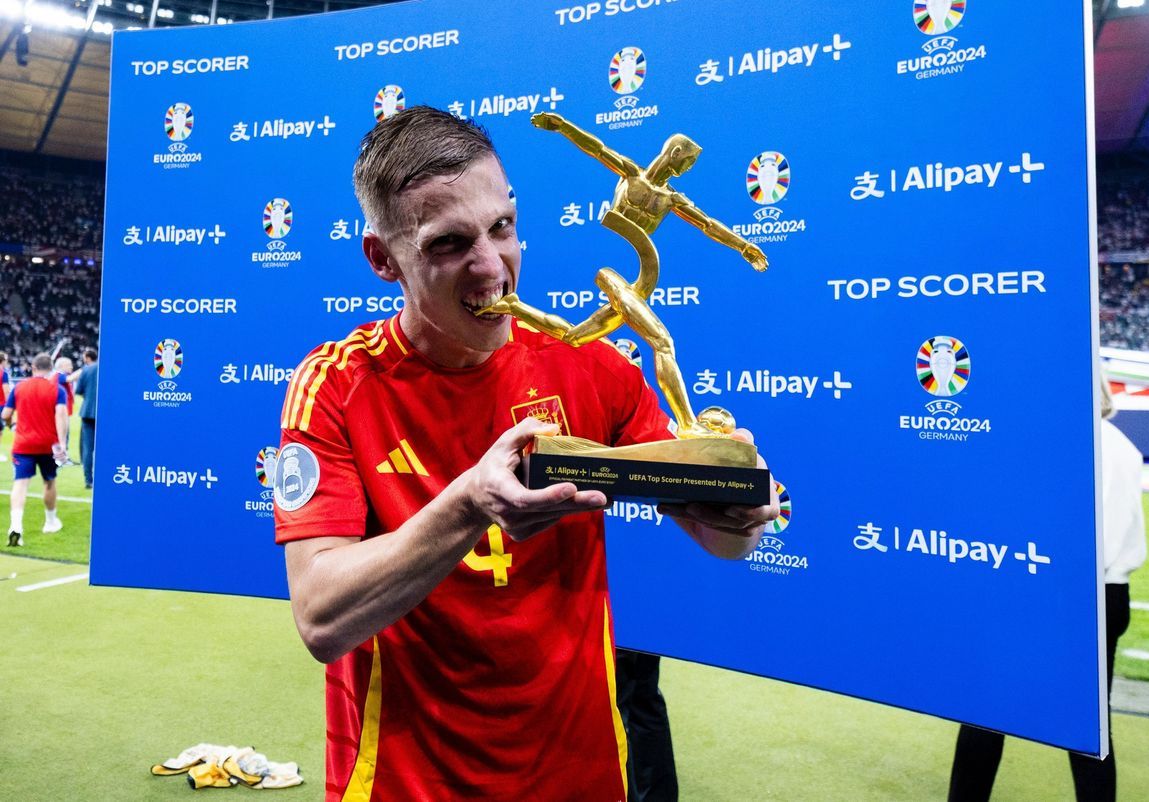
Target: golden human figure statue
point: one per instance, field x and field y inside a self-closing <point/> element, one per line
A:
<point x="642" y="199"/>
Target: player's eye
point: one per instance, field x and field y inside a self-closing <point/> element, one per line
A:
<point x="448" y="244"/>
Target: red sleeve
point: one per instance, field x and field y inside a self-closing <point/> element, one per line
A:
<point x="313" y="422"/>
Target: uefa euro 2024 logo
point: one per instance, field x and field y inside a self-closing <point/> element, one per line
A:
<point x="626" y="75"/>
<point x="178" y="122"/>
<point x="768" y="178"/>
<point x="265" y="469"/>
<point x="168" y="361"/>
<point x="936" y="17"/>
<point x="767" y="182"/>
<point x="277" y="218"/>
<point x="627" y="70"/>
<point x="943" y="366"/>
<point x="389" y="101"/>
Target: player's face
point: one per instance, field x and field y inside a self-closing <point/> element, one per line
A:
<point x="454" y="250"/>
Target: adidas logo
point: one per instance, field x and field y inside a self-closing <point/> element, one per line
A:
<point x="402" y="460"/>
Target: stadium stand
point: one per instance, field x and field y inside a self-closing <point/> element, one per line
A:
<point x="51" y="210"/>
<point x="1123" y="246"/>
<point x="1123" y="214"/>
<point x="50" y="241"/>
<point x="45" y="304"/>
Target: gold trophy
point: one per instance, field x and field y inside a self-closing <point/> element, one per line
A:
<point x="642" y="199"/>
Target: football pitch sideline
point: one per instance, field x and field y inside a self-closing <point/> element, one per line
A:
<point x="100" y="683"/>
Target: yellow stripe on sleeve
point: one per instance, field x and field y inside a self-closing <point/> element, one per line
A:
<point x="373" y="340"/>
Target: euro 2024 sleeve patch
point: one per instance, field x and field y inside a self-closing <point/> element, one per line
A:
<point x="296" y="477"/>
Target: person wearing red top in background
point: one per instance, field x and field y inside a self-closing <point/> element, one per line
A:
<point x="38" y="405"/>
<point x="5" y="388"/>
<point x="465" y="619"/>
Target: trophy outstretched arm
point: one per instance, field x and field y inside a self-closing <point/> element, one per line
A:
<point x="587" y="143"/>
<point x="718" y="232"/>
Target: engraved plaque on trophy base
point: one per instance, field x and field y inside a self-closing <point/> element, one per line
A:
<point x="710" y="470"/>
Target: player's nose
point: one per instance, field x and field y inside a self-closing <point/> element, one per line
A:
<point x="487" y="259"/>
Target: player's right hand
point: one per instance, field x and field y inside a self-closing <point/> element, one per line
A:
<point x="501" y="498"/>
<point x="547" y="120"/>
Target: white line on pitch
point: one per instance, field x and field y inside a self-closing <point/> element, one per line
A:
<point x="1136" y="654"/>
<point x="61" y="498"/>
<point x="1139" y="605"/>
<point x="51" y="583"/>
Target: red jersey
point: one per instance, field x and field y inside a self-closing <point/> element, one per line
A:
<point x="34" y="401"/>
<point x="500" y="684"/>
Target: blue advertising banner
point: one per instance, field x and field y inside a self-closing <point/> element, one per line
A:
<point x="918" y="364"/>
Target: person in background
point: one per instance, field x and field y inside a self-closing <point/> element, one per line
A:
<point x="651" y="775"/>
<point x="5" y="388"/>
<point x="85" y="381"/>
<point x="978" y="751"/>
<point x="64" y="368"/>
<point x="38" y="405"/>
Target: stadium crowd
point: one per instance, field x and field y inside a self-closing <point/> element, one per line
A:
<point x="50" y="236"/>
<point x="47" y="209"/>
<point x="44" y="304"/>
<point x="1123" y="214"/>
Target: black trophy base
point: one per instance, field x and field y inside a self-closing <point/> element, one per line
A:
<point x="709" y="470"/>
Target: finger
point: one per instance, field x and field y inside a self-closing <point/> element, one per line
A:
<point x="569" y="500"/>
<point x="517" y="436"/>
<point x="563" y="497"/>
<point x="744" y="518"/>
<point x="745" y="435"/>
<point x="523" y="526"/>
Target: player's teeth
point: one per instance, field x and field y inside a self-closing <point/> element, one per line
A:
<point x="483" y="302"/>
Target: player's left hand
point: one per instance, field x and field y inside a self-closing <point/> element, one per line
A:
<point x="730" y="531"/>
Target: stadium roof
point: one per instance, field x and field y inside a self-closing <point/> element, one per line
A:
<point x="54" y="58"/>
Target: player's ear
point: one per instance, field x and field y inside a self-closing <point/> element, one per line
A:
<point x="380" y="258"/>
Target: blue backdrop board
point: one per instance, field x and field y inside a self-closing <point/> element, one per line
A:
<point x="920" y="176"/>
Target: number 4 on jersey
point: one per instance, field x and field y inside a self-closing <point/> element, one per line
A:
<point x="497" y="562"/>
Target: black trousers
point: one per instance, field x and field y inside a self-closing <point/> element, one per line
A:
<point x="650" y="754"/>
<point x="978" y="751"/>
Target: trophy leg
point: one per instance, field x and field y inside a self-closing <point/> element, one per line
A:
<point x="643" y="246"/>
<point x="601" y="323"/>
<point x="598" y="325"/>
<point x="638" y="315"/>
<point x="545" y="322"/>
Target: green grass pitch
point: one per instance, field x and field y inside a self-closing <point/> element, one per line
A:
<point x="100" y="683"/>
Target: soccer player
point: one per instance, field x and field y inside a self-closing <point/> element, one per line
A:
<point x="465" y="619"/>
<point x="38" y="404"/>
